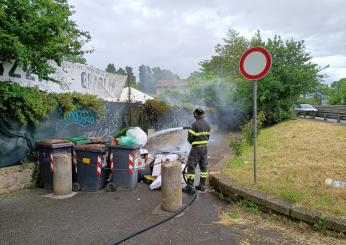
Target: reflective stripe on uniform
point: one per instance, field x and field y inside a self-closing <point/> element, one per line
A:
<point x="199" y="133"/>
<point x="199" y="142"/>
<point x="190" y="176"/>
<point x="204" y="175"/>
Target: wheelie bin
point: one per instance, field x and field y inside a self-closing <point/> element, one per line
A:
<point x="91" y="165"/>
<point x="123" y="161"/>
<point x="46" y="149"/>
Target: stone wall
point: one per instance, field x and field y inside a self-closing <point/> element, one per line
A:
<point x="15" y="178"/>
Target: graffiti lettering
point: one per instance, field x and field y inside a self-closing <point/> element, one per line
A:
<point x="28" y="75"/>
<point x="79" y="117"/>
<point x="83" y="80"/>
<point x="1" y="69"/>
<point x="13" y="69"/>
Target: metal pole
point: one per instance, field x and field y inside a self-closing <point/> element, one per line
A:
<point x="254" y="128"/>
<point x="129" y="100"/>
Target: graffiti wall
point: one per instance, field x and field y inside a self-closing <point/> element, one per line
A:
<point x="73" y="77"/>
<point x="16" y="140"/>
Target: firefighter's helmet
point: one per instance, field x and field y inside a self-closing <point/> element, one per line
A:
<point x="198" y="113"/>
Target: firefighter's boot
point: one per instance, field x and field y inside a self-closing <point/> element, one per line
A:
<point x="190" y="189"/>
<point x="201" y="186"/>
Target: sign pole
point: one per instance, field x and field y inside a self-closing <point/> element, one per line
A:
<point x="254" y="128"/>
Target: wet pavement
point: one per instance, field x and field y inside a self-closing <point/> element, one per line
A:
<point x="27" y="217"/>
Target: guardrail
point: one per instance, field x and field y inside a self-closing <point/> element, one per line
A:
<point x="337" y="112"/>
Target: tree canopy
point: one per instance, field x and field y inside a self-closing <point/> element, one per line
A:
<point x="292" y="73"/>
<point x="338" y="92"/>
<point x="34" y="32"/>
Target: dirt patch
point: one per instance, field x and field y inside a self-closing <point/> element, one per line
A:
<point x="262" y="228"/>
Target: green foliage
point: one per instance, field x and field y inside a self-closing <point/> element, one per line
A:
<point x="247" y="128"/>
<point x="291" y="195"/>
<point x="68" y="102"/>
<point x="236" y="145"/>
<point x="27" y="104"/>
<point x="338" y="92"/>
<point x="156" y="108"/>
<point x="30" y="105"/>
<point x="131" y="79"/>
<point x="233" y="214"/>
<point x="250" y="206"/>
<point x="34" y="32"/>
<point x="320" y="224"/>
<point x="236" y="162"/>
<point x="111" y="68"/>
<point x="292" y="74"/>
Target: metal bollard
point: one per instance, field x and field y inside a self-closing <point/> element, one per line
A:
<point x="171" y="193"/>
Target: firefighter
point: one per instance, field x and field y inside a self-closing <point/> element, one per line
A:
<point x="198" y="136"/>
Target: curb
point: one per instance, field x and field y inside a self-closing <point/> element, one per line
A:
<point x="232" y="191"/>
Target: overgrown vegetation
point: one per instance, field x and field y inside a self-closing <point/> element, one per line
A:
<point x="247" y="128"/>
<point x="338" y="92"/>
<point x="298" y="156"/>
<point x="30" y="105"/>
<point x="26" y="104"/>
<point x="68" y="102"/>
<point x="156" y="108"/>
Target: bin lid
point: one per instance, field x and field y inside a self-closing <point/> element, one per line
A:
<point x="78" y="140"/>
<point x="92" y="148"/>
<point x="135" y="147"/>
<point x="97" y="140"/>
<point x="53" y="144"/>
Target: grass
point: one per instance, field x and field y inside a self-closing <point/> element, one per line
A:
<point x="293" y="160"/>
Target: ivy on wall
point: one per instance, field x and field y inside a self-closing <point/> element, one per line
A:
<point x="31" y="105"/>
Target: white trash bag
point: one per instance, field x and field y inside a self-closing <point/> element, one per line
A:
<point x="139" y="134"/>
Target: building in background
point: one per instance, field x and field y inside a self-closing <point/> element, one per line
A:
<point x="163" y="85"/>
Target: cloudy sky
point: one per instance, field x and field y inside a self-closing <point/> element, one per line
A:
<point x="178" y="34"/>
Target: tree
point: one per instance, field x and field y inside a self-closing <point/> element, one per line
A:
<point x="147" y="83"/>
<point x="34" y="32"/>
<point x="121" y="71"/>
<point x="338" y="92"/>
<point x="130" y="76"/>
<point x="111" y="68"/>
<point x="162" y="74"/>
<point x="292" y="73"/>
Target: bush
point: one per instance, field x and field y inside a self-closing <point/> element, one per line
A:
<point x="27" y="104"/>
<point x="68" y="102"/>
<point x="247" y="128"/>
<point x="156" y="108"/>
<point x="236" y="145"/>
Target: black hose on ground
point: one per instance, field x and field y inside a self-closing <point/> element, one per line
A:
<point x="158" y="223"/>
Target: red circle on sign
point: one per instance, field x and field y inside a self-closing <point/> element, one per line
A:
<point x="265" y="69"/>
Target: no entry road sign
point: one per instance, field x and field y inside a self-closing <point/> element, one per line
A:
<point x="255" y="63"/>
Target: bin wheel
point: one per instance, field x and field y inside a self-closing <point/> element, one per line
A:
<point x="75" y="186"/>
<point x="111" y="187"/>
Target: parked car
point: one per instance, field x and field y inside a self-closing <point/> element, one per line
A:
<point x="304" y="107"/>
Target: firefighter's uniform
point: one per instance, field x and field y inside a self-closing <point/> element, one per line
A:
<point x="198" y="136"/>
